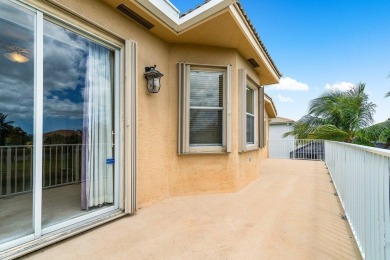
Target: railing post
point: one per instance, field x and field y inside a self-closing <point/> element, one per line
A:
<point x="77" y="163"/>
<point x="387" y="211"/>
<point x="9" y="155"/>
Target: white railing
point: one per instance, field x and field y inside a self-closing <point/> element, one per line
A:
<point x="296" y="149"/>
<point x="361" y="177"/>
<point x="61" y="166"/>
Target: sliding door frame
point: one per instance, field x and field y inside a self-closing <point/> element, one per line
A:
<point x="118" y="205"/>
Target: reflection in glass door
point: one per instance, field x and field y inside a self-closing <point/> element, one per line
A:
<point x="57" y="113"/>
<point x="78" y="128"/>
<point x="16" y="121"/>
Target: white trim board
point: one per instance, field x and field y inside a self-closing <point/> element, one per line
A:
<point x="170" y="15"/>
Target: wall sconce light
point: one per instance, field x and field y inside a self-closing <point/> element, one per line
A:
<point x="153" y="77"/>
<point x="16" y="54"/>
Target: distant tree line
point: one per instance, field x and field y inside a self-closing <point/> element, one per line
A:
<point x="11" y="135"/>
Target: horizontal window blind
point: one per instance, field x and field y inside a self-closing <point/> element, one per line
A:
<point x="250" y="117"/>
<point x="250" y="129"/>
<point x="206" y="108"/>
<point x="205" y="127"/>
<point x="250" y="100"/>
<point x="206" y="89"/>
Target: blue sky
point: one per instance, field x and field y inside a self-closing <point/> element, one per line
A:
<point x="319" y="45"/>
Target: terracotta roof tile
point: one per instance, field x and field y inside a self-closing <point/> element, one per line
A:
<point x="258" y="38"/>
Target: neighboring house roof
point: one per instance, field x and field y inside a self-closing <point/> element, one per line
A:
<point x="281" y="121"/>
<point x="270" y="106"/>
<point x="218" y="23"/>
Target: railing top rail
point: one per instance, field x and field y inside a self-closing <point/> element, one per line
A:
<point x="379" y="151"/>
<point x="15" y="146"/>
<point x="52" y="145"/>
<point x="369" y="149"/>
<point x="287" y="139"/>
<point x="30" y="146"/>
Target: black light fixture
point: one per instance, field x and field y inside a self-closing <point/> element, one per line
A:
<point x="153" y="77"/>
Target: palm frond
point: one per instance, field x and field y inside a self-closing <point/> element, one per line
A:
<point x="377" y="132"/>
<point x="362" y="141"/>
<point x="329" y="132"/>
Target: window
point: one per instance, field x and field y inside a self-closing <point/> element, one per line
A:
<point x="251" y="113"/>
<point x="204" y="109"/>
<point x="251" y="104"/>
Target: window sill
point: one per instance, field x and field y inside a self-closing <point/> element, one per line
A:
<point x="250" y="148"/>
<point x="205" y="153"/>
<point x="206" y="150"/>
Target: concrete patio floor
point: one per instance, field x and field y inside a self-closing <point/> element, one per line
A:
<point x="289" y="212"/>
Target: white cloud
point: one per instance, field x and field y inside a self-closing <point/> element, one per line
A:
<point x="290" y="84"/>
<point x="339" y="86"/>
<point x="285" y="99"/>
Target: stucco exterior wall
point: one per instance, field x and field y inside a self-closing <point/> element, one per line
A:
<point x="194" y="174"/>
<point x="161" y="171"/>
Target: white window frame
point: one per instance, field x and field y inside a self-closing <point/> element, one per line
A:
<point x="246" y="82"/>
<point x="252" y="86"/>
<point x="184" y="110"/>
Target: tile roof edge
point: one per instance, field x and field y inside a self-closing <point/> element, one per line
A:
<point x="245" y="15"/>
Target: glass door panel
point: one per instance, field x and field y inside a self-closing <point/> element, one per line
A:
<point x="16" y="120"/>
<point x="78" y="153"/>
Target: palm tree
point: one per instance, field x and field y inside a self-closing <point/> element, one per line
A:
<point x="337" y="115"/>
<point x="378" y="132"/>
<point x="5" y="128"/>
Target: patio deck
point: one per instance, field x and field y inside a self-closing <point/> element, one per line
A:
<point x="289" y="212"/>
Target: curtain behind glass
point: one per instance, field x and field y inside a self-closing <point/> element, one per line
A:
<point x="97" y="173"/>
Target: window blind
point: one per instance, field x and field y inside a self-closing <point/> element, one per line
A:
<point x="250" y="116"/>
<point x="206" y="108"/>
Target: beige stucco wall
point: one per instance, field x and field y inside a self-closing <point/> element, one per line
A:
<point x="248" y="162"/>
<point x="161" y="171"/>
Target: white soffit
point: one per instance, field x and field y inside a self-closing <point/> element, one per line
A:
<point x="170" y="15"/>
<point x="203" y="12"/>
<point x="164" y="10"/>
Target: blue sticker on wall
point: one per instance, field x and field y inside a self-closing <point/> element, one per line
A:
<point x="110" y="161"/>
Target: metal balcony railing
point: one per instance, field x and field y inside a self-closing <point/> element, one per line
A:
<point x="61" y="166"/>
<point x="361" y="176"/>
<point x="296" y="149"/>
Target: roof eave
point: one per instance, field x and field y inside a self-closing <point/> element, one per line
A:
<point x="170" y="16"/>
<point x="270" y="107"/>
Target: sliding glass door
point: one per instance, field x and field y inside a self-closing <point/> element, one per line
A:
<point x="17" y="36"/>
<point x="78" y="125"/>
<point x="58" y="118"/>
